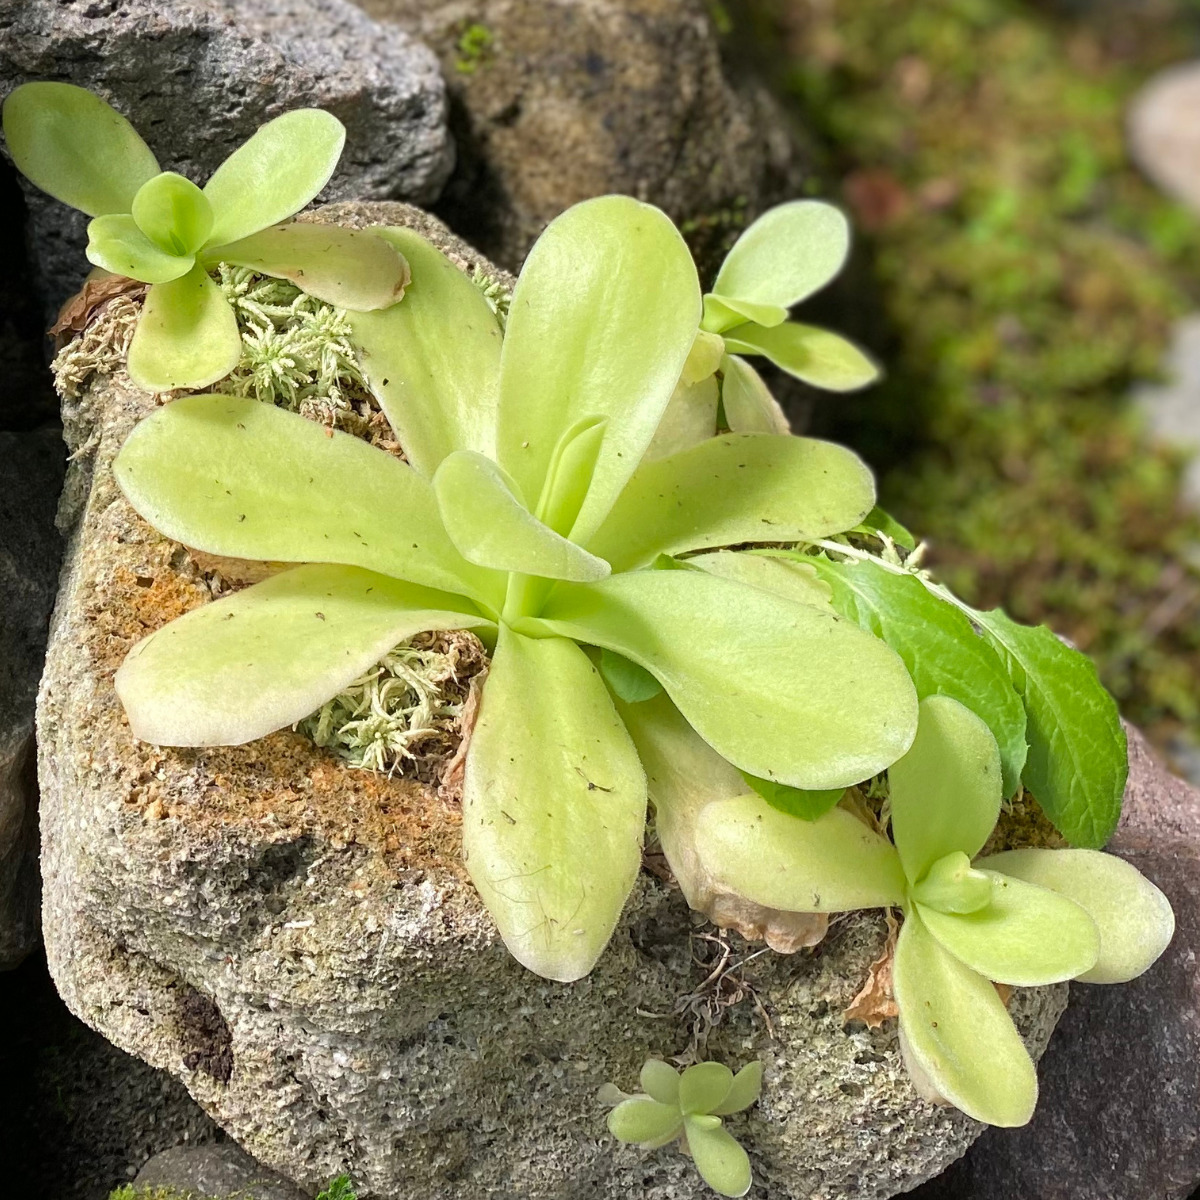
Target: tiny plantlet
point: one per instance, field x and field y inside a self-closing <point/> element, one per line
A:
<point x="688" y="1108"/>
<point x="161" y="229"/>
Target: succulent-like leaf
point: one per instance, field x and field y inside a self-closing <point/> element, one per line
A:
<point x="959" y="1033"/>
<point x="570" y="475"/>
<point x="941" y="650"/>
<point x="626" y="680"/>
<point x="660" y="1081"/>
<point x="269" y="655"/>
<point x="781" y="689"/>
<point x="784" y="576"/>
<point x="1025" y="936"/>
<point x="187" y="336"/>
<point x="704" y="358"/>
<point x="349" y="268"/>
<point x="1078" y="761"/>
<point x="748" y="403"/>
<point x="439" y="392"/>
<point x="1134" y="918"/>
<point x="554" y="806"/>
<point x="814" y="356"/>
<point x="75" y="147"/>
<point x="743" y="1092"/>
<point x="491" y="527"/>
<point x="795" y="802"/>
<point x="173" y="213"/>
<point x="945" y="791"/>
<point x="790" y="252"/>
<point x="644" y="1120"/>
<point x="832" y="864"/>
<point x="236" y="477"/>
<point x="274" y="174"/>
<point x="722" y="1163"/>
<point x="601" y="323"/>
<point x="722" y="313"/>
<point x="703" y="1086"/>
<point x="952" y="885"/>
<point x="116" y="244"/>
<point x="739" y="487"/>
<point x="690" y="418"/>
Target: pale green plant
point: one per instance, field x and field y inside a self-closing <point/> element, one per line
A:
<point x="527" y="512"/>
<point x="160" y="228"/>
<point x="689" y="1109"/>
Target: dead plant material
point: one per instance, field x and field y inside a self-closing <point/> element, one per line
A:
<point x="875" y="1002"/>
<point x="78" y="312"/>
<point x="450" y="785"/>
<point x="784" y="932"/>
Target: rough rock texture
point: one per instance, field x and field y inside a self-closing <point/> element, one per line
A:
<point x="298" y="942"/>
<point x="197" y="77"/>
<point x="1164" y="131"/>
<point x="31" y="472"/>
<point x="554" y="101"/>
<point x="1121" y="1079"/>
<point x="218" y="1171"/>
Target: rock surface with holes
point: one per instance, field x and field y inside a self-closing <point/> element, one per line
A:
<point x="298" y="942"/>
<point x="197" y="78"/>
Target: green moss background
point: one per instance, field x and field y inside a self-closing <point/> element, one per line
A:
<point x="1025" y="276"/>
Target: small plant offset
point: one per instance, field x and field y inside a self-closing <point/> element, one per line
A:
<point x="689" y="1108"/>
<point x="161" y="229"/>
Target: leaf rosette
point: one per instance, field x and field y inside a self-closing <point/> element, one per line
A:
<point x="528" y="510"/>
<point x="161" y="229"/>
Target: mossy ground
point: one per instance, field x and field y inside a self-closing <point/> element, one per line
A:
<point x="1026" y="275"/>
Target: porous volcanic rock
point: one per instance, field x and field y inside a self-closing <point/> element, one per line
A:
<point x="555" y="101"/>
<point x="298" y="942"/>
<point x="197" y="77"/>
<point x="223" y="1171"/>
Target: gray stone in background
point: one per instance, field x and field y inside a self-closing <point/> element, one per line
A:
<point x="1163" y="130"/>
<point x="219" y="1171"/>
<point x="576" y="98"/>
<point x="298" y="943"/>
<point x="197" y="78"/>
<point x="31" y="473"/>
<point x="1120" y="1082"/>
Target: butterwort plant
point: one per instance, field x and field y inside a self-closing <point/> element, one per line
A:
<point x="1022" y="917"/>
<point x="527" y="511"/>
<point x="163" y="230"/>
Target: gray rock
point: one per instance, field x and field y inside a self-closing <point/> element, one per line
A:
<point x="31" y="471"/>
<point x="555" y="101"/>
<point x="1163" y="126"/>
<point x="197" y="77"/>
<point x="222" y="1171"/>
<point x="1120" y="1082"/>
<point x="298" y="942"/>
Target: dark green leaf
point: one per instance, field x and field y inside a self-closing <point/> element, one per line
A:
<point x="796" y="802"/>
<point x="1078" y="757"/>
<point x="631" y="683"/>
<point x="878" y="521"/>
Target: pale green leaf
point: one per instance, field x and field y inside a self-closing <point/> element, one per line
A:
<point x="690" y="418"/>
<point x="570" y="475"/>
<point x="814" y="356"/>
<point x="781" y="689"/>
<point x="116" y="244"/>
<point x="1134" y="918"/>
<point x="1026" y="935"/>
<point x="349" y="268"/>
<point x="1078" y="761"/>
<point x="274" y="174"/>
<point x="439" y="392"/>
<point x="785" y="577"/>
<point x="660" y="1081"/>
<point x="958" y="1032"/>
<point x="601" y="323"/>
<point x="832" y="864"/>
<point x="722" y="313"/>
<point x="554" y="806"/>
<point x="704" y="358"/>
<point x="744" y="1091"/>
<point x="243" y="479"/>
<point x="748" y="403"/>
<point x="790" y="252"/>
<point x="703" y="1086"/>
<point x="491" y="527"/>
<point x="641" y="1119"/>
<point x="266" y="657"/>
<point x="722" y="1163"/>
<point x="173" y="213"/>
<point x="187" y="336"/>
<point x="739" y="487"/>
<point x="627" y="681"/>
<point x="75" y="147"/>
<point x="943" y="653"/>
<point x="945" y="792"/>
<point x="952" y="885"/>
<point x="805" y="806"/>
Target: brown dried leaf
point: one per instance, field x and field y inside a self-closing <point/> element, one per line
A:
<point x="875" y="1002"/>
<point x="451" y="784"/>
<point x="78" y="312"/>
<point x="784" y="932"/>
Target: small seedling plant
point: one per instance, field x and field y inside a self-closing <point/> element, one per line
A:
<point x="159" y="228"/>
<point x="527" y="513"/>
<point x="688" y="1108"/>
